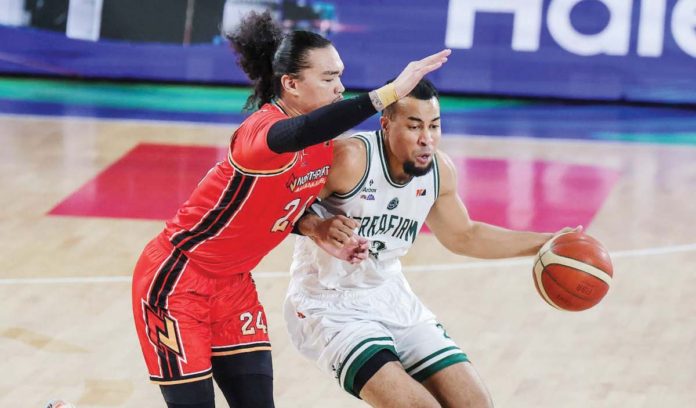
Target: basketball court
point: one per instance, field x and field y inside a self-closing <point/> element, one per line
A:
<point x="85" y="184"/>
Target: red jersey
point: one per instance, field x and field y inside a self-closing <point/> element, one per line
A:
<point x="246" y="205"/>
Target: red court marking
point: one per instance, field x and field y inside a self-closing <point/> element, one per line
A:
<point x="533" y="195"/>
<point x="151" y="181"/>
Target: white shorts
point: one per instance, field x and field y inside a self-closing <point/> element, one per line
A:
<point x="341" y="331"/>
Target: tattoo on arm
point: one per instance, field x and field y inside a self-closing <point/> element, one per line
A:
<point x="376" y="102"/>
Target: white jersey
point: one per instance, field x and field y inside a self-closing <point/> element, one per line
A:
<point x="390" y="216"/>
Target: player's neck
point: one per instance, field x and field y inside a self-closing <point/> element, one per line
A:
<point x="394" y="166"/>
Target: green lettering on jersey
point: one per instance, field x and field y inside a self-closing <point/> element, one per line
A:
<point x="404" y="227"/>
<point x="382" y="224"/>
<point x="363" y="224"/>
<point x="392" y="218"/>
<point x="373" y="224"/>
<point x="412" y="231"/>
<point x="388" y="224"/>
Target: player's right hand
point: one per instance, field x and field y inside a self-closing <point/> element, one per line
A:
<point x="416" y="70"/>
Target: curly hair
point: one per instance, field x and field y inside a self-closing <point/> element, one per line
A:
<point x="265" y="54"/>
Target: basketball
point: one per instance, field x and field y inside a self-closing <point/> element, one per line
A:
<point x="573" y="271"/>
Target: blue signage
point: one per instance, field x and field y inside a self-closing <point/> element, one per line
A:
<point x="633" y="50"/>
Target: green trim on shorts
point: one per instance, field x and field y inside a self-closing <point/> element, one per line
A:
<point x="434" y="363"/>
<point x="444" y="363"/>
<point x="358" y="362"/>
<point x="430" y="357"/>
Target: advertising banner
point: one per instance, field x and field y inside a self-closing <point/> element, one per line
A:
<point x="633" y="50"/>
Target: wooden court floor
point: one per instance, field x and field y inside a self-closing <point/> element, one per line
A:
<point x="66" y="329"/>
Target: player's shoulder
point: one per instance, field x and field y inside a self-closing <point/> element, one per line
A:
<point x="265" y="113"/>
<point x="349" y="164"/>
<point x="367" y="136"/>
<point x="350" y="146"/>
<point x="444" y="162"/>
<point x="446" y="170"/>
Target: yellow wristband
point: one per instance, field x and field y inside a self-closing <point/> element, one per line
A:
<point x="387" y="94"/>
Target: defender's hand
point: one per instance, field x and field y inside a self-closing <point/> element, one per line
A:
<point x="335" y="236"/>
<point x="416" y="70"/>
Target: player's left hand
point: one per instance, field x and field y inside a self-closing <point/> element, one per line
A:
<point x="336" y="236"/>
<point x="551" y="236"/>
<point x="565" y="230"/>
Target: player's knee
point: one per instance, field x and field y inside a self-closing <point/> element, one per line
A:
<point x="478" y="396"/>
<point x="196" y="394"/>
<point x="258" y="362"/>
<point x="371" y="367"/>
<point x="245" y="379"/>
<point x="481" y="399"/>
<point x="249" y="390"/>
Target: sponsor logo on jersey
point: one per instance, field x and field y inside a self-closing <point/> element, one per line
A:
<point x="368" y="197"/>
<point x="310" y="179"/>
<point x="393" y="203"/>
<point x="421" y="192"/>
<point x="369" y="188"/>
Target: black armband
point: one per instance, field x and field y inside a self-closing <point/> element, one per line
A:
<point x="321" y="125"/>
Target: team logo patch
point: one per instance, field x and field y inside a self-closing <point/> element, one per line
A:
<point x="162" y="329"/>
<point x="303" y="161"/>
<point x="393" y="203"/>
<point x="421" y="192"/>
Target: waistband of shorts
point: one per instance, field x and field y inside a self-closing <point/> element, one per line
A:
<point x="339" y="294"/>
<point x="164" y="244"/>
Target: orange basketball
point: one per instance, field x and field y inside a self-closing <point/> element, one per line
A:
<point x="572" y="271"/>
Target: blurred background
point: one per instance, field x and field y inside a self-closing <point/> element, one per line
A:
<point x="612" y="50"/>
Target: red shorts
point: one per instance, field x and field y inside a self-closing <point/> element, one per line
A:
<point x="184" y="318"/>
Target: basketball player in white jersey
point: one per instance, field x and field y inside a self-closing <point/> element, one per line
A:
<point x="359" y="319"/>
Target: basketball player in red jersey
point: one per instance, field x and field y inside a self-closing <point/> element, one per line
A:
<point x="196" y="308"/>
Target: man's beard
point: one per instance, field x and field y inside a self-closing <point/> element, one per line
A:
<point x="412" y="170"/>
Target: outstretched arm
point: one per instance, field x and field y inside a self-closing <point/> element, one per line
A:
<point x="449" y="220"/>
<point x="325" y="123"/>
